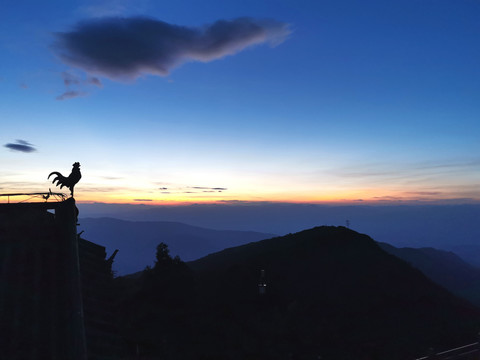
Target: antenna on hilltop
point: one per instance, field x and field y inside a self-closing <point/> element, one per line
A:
<point x="347" y="223"/>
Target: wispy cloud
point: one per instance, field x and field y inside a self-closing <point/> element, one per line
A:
<point x="17" y="185"/>
<point x="76" y="84"/>
<point x="181" y="189"/>
<point x="22" y="146"/>
<point x="103" y="189"/>
<point x="126" y="48"/>
<point x="408" y="171"/>
<point x="142" y="200"/>
<point x="112" y="177"/>
<point x="70" y="79"/>
<point x="388" y="198"/>
<point x="208" y="188"/>
<point x="70" y="94"/>
<point x="423" y="193"/>
<point x="247" y="202"/>
<point x="94" y="81"/>
<point x="102" y="8"/>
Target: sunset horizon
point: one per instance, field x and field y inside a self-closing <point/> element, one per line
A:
<point x="324" y="102"/>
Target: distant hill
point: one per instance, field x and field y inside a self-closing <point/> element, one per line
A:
<point x="444" y="267"/>
<point x="443" y="226"/>
<point x="137" y="240"/>
<point x="331" y="292"/>
<point x="469" y="252"/>
<point x="440" y="226"/>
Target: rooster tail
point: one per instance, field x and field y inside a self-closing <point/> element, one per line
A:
<point x="54" y="173"/>
<point x="60" y="179"/>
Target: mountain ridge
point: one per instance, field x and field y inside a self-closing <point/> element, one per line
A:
<point x="137" y="240"/>
<point x="443" y="267"/>
<point x="331" y="292"/>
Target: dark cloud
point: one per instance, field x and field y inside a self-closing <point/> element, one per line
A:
<point x="22" y="146"/>
<point x="208" y="188"/>
<point x="122" y="48"/>
<point x="70" y="95"/>
<point x="190" y="189"/>
<point x="142" y="200"/>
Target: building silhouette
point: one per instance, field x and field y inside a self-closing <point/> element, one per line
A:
<point x="54" y="298"/>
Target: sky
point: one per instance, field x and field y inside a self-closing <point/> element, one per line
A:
<point x="304" y="101"/>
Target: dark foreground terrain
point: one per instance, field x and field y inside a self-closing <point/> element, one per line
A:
<point x="331" y="292"/>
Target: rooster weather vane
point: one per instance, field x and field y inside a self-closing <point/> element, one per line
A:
<point x="69" y="181"/>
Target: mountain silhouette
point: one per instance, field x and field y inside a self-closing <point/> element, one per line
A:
<point x="330" y="292"/>
<point x="137" y="240"/>
<point x="444" y="267"/>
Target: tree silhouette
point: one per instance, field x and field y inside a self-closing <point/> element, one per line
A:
<point x="156" y="309"/>
<point x="163" y="254"/>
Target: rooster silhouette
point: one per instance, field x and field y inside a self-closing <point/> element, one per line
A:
<point x="69" y="181"/>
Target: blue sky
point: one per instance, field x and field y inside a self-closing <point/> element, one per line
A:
<point x="372" y="101"/>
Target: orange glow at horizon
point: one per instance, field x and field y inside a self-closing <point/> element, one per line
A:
<point x="370" y="196"/>
<point x="237" y="190"/>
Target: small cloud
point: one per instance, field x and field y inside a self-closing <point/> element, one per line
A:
<point x="112" y="177"/>
<point x="70" y="95"/>
<point x="208" y="188"/>
<point x="163" y="188"/>
<point x="243" y="202"/>
<point x="70" y="79"/>
<point x="74" y="83"/>
<point x="102" y="8"/>
<point x="424" y="193"/>
<point x="142" y="200"/>
<point x="22" y="146"/>
<point x="388" y="198"/>
<point x="127" y="48"/>
<point x="94" y="81"/>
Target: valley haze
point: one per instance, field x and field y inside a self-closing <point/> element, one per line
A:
<point x="447" y="227"/>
